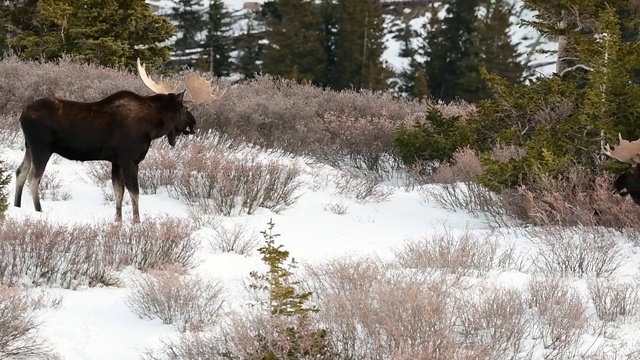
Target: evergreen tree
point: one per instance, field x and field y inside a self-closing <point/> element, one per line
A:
<point x="188" y="17"/>
<point x="107" y="32"/>
<point x="328" y="10"/>
<point x="459" y="44"/>
<point x="4" y="27"/>
<point x="571" y="20"/>
<point x="250" y="51"/>
<point x="497" y="53"/>
<point x="413" y="78"/>
<point x="452" y="53"/>
<point x="359" y="45"/>
<point x="295" y="49"/>
<point x="218" y="45"/>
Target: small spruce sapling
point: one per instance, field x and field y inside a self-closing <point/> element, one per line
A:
<point x="289" y="314"/>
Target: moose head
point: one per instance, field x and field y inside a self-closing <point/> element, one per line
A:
<point x="628" y="152"/>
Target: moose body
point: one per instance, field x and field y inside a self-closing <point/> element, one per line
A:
<point x="118" y="129"/>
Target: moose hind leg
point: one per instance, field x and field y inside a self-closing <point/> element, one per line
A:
<point x="39" y="163"/>
<point x="118" y="188"/>
<point x="130" y="174"/>
<point x="21" y="177"/>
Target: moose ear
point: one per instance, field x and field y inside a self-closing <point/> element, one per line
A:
<point x="180" y="96"/>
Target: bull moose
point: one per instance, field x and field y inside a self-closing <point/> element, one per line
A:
<point x="118" y="129"/>
<point x="628" y="152"/>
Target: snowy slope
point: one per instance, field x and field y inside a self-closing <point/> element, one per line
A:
<point x="96" y="324"/>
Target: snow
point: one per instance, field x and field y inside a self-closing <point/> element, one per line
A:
<point x="95" y="323"/>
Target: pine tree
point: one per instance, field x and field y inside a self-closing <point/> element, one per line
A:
<point x="569" y="20"/>
<point x="295" y="49"/>
<point x="188" y="17"/>
<point x="359" y="45"/>
<point x="497" y="53"/>
<point x="4" y="27"/>
<point x="329" y="27"/>
<point x="218" y="43"/>
<point x="413" y="78"/>
<point x="107" y="32"/>
<point x="250" y="52"/>
<point x="451" y="53"/>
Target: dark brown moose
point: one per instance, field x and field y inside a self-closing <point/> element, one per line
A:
<point x="118" y="129"/>
<point x="628" y="152"/>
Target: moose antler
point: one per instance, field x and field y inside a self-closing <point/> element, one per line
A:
<point x="201" y="90"/>
<point x="162" y="88"/>
<point x="626" y="151"/>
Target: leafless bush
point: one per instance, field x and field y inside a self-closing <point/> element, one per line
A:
<point x="53" y="188"/>
<point x="100" y="173"/>
<point x="26" y="81"/>
<point x="579" y="199"/>
<point x="50" y="253"/>
<point x="613" y="299"/>
<point x="230" y="182"/>
<point x="237" y="239"/>
<point x="373" y="313"/>
<point x="454" y="186"/>
<point x="353" y="127"/>
<point x="19" y="325"/>
<point x="496" y="320"/>
<point x="560" y="317"/>
<point x="188" y="302"/>
<point x="154" y="243"/>
<point x="505" y="153"/>
<point x="465" y="254"/>
<point x="242" y="336"/>
<point x="337" y="208"/>
<point x="363" y="186"/>
<point x="577" y="251"/>
<point x="73" y="255"/>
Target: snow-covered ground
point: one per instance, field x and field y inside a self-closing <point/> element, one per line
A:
<point x="95" y="323"/>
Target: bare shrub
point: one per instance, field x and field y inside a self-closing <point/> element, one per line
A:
<point x="577" y="198"/>
<point x="373" y="313"/>
<point x="560" y="317"/>
<point x="231" y="182"/>
<point x="188" y="302"/>
<point x="74" y="255"/>
<point x="26" y="81"/>
<point x="505" y="153"/>
<point x="465" y="254"/>
<point x="100" y="174"/>
<point x="365" y="145"/>
<point x="50" y="253"/>
<point x="337" y="208"/>
<point x="154" y="243"/>
<point x="53" y="188"/>
<point x="19" y="323"/>
<point x="577" y="251"/>
<point x="237" y="239"/>
<point x="614" y="299"/>
<point x="454" y="186"/>
<point x="363" y="186"/>
<point x="495" y="320"/>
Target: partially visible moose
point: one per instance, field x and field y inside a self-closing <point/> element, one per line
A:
<point x="118" y="129"/>
<point x="628" y="152"/>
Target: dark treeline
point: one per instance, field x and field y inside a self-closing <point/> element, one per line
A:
<point x="331" y="43"/>
<point x="339" y="44"/>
